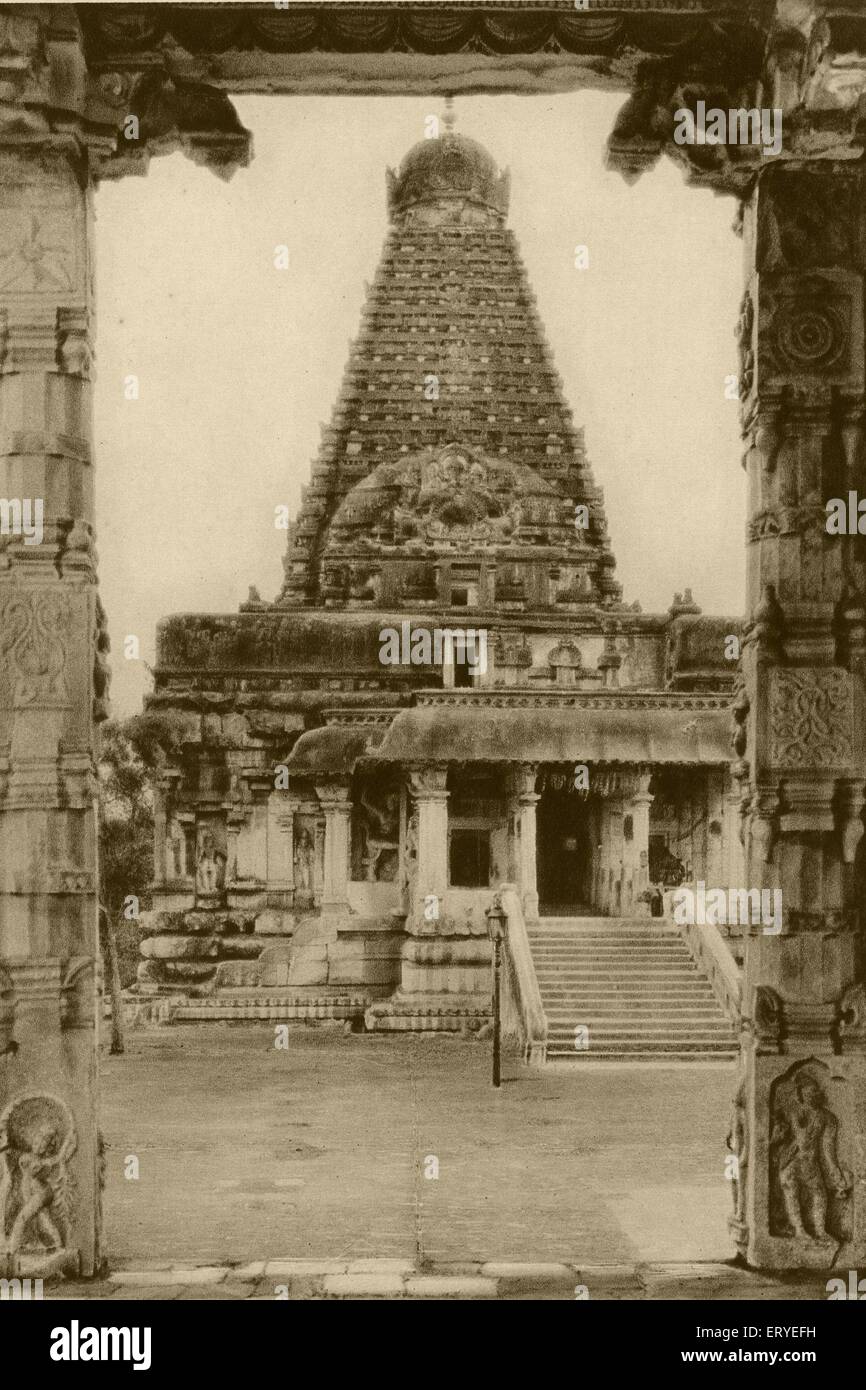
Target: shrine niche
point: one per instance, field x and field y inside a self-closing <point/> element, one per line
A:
<point x="304" y="862"/>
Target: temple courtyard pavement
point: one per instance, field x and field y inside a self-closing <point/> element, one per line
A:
<point x="322" y="1148"/>
<point x="238" y="1169"/>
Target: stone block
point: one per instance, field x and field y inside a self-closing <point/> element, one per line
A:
<point x="309" y="965"/>
<point x="240" y="948"/>
<point x="288" y="1269"/>
<point x="274" y="963"/>
<point x="429" y="1286"/>
<point x="238" y="974"/>
<point x="363" y="1286"/>
<point x="179" y="948"/>
<point x="273" y="923"/>
<point x="373" y="1266"/>
<point x="524" y="1278"/>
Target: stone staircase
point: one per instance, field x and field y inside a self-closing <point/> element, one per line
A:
<point x="633" y="984"/>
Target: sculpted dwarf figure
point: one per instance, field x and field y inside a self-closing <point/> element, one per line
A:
<point x="803" y="1150"/>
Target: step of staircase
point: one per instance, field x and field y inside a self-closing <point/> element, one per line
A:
<point x="633" y="983"/>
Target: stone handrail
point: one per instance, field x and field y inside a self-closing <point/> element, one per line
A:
<point x="711" y="952"/>
<point x="523" y="1013"/>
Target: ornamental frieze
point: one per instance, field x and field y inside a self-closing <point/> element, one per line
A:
<point x="431" y="28"/>
<point x="811" y="714"/>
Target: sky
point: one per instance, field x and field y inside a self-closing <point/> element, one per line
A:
<point x="239" y="362"/>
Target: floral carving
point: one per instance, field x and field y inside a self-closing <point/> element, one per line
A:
<point x="811" y="718"/>
<point x="32" y="263"/>
<point x="806" y="328"/>
<point x="33" y="635"/>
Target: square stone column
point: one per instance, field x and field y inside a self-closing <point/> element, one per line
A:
<point x="525" y="800"/>
<point x="639" y="807"/>
<point x="281" y="849"/>
<point x="429" y="792"/>
<point x="334" y="800"/>
<point x="799" y="1122"/>
<point x="53" y="681"/>
<point x="714" y="864"/>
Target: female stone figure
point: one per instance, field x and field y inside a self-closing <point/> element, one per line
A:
<point x="803" y="1149"/>
<point x="304" y="851"/>
<point x="210" y="869"/>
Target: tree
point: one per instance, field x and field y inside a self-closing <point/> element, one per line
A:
<point x="132" y="753"/>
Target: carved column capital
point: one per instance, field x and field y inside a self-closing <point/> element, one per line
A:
<point x="429" y="783"/>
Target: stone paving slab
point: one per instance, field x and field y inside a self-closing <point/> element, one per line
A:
<point x="501" y="1281"/>
<point x="246" y="1151"/>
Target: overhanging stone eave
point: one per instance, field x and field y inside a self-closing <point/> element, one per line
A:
<point x="436" y="735"/>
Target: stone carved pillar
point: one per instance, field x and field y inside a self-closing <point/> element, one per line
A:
<point x="641" y="801"/>
<point x="714" y="840"/>
<point x="428" y="788"/>
<point x="526" y="799"/>
<point x="53" y="671"/>
<point x="799" y="1120"/>
<point x="281" y="849"/>
<point x="732" y="845"/>
<point x="334" y="800"/>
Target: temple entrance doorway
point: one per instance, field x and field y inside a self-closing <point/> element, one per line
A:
<point x="564" y="853"/>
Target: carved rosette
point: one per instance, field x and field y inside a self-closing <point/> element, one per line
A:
<point x="808" y="323"/>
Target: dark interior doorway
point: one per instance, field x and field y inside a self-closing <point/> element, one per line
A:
<point x="564" y="854"/>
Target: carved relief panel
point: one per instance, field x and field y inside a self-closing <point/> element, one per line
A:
<point x="810" y="1187"/>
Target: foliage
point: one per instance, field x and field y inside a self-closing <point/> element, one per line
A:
<point x="131" y="755"/>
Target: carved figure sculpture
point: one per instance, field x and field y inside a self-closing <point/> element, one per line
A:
<point x="175" y="850"/>
<point x="380" y="829"/>
<point x="804" y="1159"/>
<point x="37" y="1141"/>
<point x="304" y="853"/>
<point x="210" y="869"/>
<point x="738" y="1144"/>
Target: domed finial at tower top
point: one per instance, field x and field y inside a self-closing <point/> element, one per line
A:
<point x="448" y="118"/>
